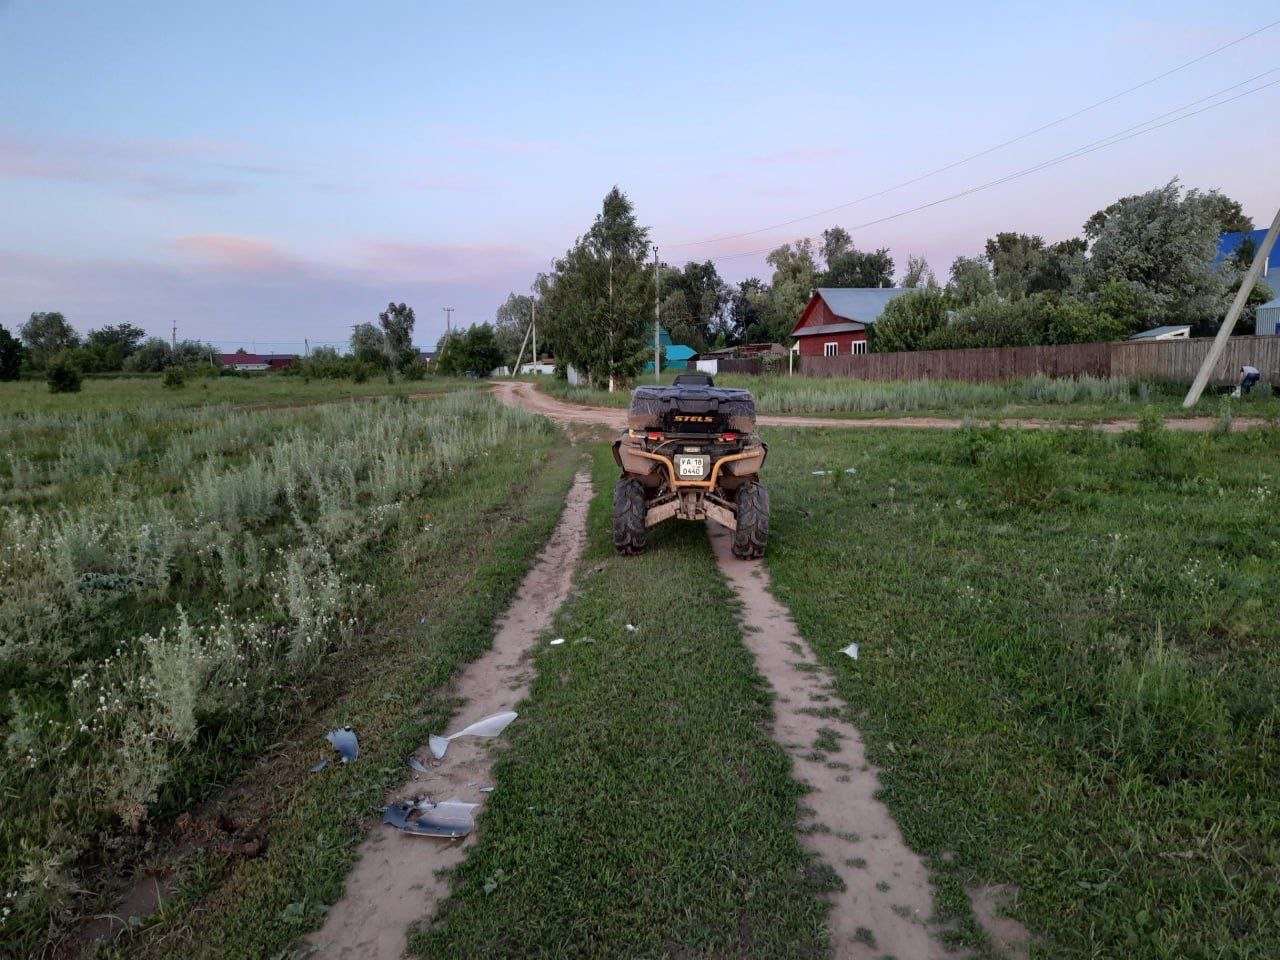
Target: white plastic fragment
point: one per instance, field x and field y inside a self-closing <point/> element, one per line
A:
<point x="488" y="727"/>
<point x="319" y="766"/>
<point x="850" y="469"/>
<point x="450" y="819"/>
<point x="851" y="651"/>
<point x="632" y="628"/>
<point x="819" y="473"/>
<point x="345" y="743"/>
<point x="557" y="641"/>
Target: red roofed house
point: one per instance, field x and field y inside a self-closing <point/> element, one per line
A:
<point x="242" y="360"/>
<point x="834" y="324"/>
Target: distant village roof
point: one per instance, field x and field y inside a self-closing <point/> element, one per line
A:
<point x="1176" y="331"/>
<point x="863" y="304"/>
<point x="1228" y="243"/>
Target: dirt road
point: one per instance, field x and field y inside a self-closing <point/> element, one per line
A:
<point x="397" y="881"/>
<point x="517" y="393"/>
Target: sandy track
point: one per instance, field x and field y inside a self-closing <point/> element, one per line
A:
<point x="394" y="883"/>
<point x="859" y="838"/>
<point x="517" y="393"/>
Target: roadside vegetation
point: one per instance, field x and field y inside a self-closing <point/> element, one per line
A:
<point x="641" y="808"/>
<point x="1067" y="666"/>
<point x="1083" y="399"/>
<point x="24" y="403"/>
<point x="175" y="585"/>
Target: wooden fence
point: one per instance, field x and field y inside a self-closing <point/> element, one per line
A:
<point x="1176" y="360"/>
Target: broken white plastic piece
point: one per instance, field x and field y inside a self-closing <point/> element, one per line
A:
<point x="850" y="469"/>
<point x="819" y="473"/>
<point x="488" y="727"/>
<point x="851" y="651"/>
<point x="450" y="819"/>
<point x="557" y="641"/>
<point x="345" y="743"/>
<point x="632" y="628"/>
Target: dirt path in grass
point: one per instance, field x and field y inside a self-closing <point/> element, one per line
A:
<point x="887" y="900"/>
<point x="517" y="393"/>
<point x="394" y="883"/>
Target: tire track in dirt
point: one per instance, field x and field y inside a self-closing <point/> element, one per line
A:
<point x="516" y="393"/>
<point x="887" y="887"/>
<point x="395" y="884"/>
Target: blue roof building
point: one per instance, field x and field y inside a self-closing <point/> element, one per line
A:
<point x="1229" y="243"/>
<point x="675" y="356"/>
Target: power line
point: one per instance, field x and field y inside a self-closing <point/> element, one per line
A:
<point x="1147" y="126"/>
<point x="988" y="150"/>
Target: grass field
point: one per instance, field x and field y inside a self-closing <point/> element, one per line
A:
<point x="176" y="584"/>
<point x="1068" y="666"/>
<point x="1067" y="671"/>
<point x="1086" y="399"/>
<point x="642" y="809"/>
<point x="32" y="399"/>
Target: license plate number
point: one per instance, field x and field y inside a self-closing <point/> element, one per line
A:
<point x="691" y="467"/>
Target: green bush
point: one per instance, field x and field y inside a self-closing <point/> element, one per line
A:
<point x="1074" y="321"/>
<point x="174" y="378"/>
<point x="417" y="370"/>
<point x="909" y="320"/>
<point x="1024" y="466"/>
<point x="63" y="377"/>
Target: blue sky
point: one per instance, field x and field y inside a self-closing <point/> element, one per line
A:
<point x="267" y="172"/>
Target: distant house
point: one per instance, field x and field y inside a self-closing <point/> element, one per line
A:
<point x="279" y="361"/>
<point x="1177" y="332"/>
<point x="675" y="356"/>
<point x="835" y="321"/>
<point x="243" y="360"/>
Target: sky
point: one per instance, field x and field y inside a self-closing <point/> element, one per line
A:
<point x="257" y="174"/>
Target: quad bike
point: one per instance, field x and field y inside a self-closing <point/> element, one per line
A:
<point x="691" y="451"/>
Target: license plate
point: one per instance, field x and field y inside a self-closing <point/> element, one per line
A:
<point x="691" y="468"/>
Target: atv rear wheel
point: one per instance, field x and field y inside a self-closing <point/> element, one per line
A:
<point x="628" y="516"/>
<point x="752" y="534"/>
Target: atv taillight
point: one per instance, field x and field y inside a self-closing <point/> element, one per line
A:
<point x="729" y="437"/>
<point x="653" y="436"/>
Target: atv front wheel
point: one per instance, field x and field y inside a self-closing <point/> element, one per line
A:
<point x="628" y="516"/>
<point x="752" y="534"/>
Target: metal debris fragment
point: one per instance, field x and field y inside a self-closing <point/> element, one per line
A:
<point x="488" y="727"/>
<point x="319" y="766"/>
<point x="345" y="743"/>
<point x="397" y="814"/>
<point x="450" y="819"/>
<point x="417" y="765"/>
<point x="851" y="651"/>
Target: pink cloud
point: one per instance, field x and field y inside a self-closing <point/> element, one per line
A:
<point x="145" y="167"/>
<point x="440" y="261"/>
<point x="235" y="252"/>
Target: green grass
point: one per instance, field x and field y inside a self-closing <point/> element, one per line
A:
<point x="1086" y="399"/>
<point x="30" y="397"/>
<point x="174" y="586"/>
<point x="485" y="532"/>
<point x="1068" y="667"/>
<point x="642" y="809"/>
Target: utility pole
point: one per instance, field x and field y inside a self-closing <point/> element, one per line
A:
<point x="1224" y="332"/>
<point x="448" y="318"/>
<point x="306" y="347"/>
<point x="533" y="322"/>
<point x="174" y="342"/>
<point x="657" y="337"/>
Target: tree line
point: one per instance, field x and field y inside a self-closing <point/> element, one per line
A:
<point x="1144" y="261"/>
<point x="47" y="341"/>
